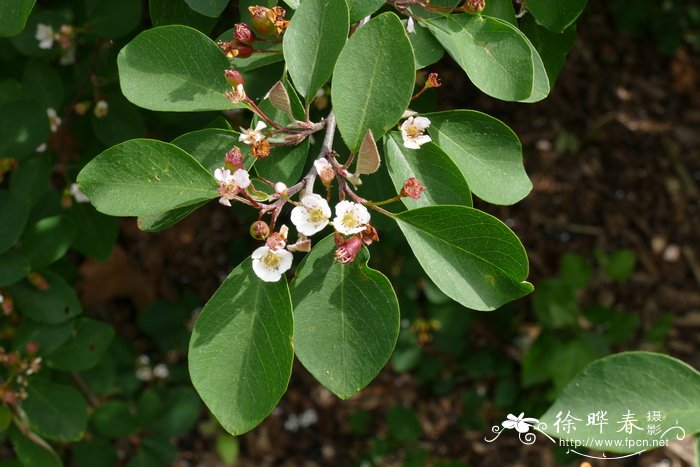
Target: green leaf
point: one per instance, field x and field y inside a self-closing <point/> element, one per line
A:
<point x="501" y="9"/>
<point x="212" y="8"/>
<point x="494" y="54"/>
<point x="14" y="16"/>
<point x="144" y="176"/>
<point x="45" y="83"/>
<point x="180" y="413"/>
<point x="403" y="424"/>
<point x="209" y="147"/>
<point x="361" y="8"/>
<point x="55" y="411"/>
<point x="256" y="60"/>
<point x="86" y="346"/>
<point x="426" y="49"/>
<point x="162" y="220"/>
<point x="630" y="382"/>
<point x="240" y="356"/>
<point x="284" y="164"/>
<point x="48" y="337"/>
<point x="346" y="319"/>
<point x="114" y="419"/>
<point x="32" y="177"/>
<point x="30" y="453"/>
<point x="167" y="12"/>
<point x="556" y="15"/>
<point x="486" y="151"/>
<point x="619" y="265"/>
<point x="13" y="267"/>
<point x="48" y="240"/>
<point x="95" y="452"/>
<point x="227" y="448"/>
<point x="23" y="126"/>
<point x="122" y="122"/>
<point x="552" y="47"/>
<point x="443" y="181"/>
<point x="471" y="256"/>
<point x="313" y="42"/>
<point x="373" y="79"/>
<point x="14" y="211"/>
<point x="96" y="233"/>
<point x="109" y="22"/>
<point x="55" y="305"/>
<point x="174" y="68"/>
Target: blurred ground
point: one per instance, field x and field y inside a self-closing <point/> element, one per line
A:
<point x="614" y="155"/>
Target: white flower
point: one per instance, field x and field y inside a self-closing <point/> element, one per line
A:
<point x="252" y="136"/>
<point x="41" y="148"/>
<point x="269" y="265"/>
<point x="144" y="373"/>
<point x="45" y="36"/>
<point x="522" y="425"/>
<point x="231" y="183"/>
<point x="350" y="218"/>
<point x="412" y="131"/>
<point x="161" y="371"/>
<point x="101" y="109"/>
<point x="312" y="216"/>
<point x="54" y="119"/>
<point x="78" y="195"/>
<point x="144" y="359"/>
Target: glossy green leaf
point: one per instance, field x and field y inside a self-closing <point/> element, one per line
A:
<point x="55" y="305"/>
<point x="373" y="79"/>
<point x="346" y="319"/>
<point x="501" y="9"/>
<point x="493" y="53"/>
<point x="48" y="240"/>
<point x="110" y="22"/>
<point x="174" y="68"/>
<point x="95" y="233"/>
<point x="86" y="346"/>
<point x="284" y="164"/>
<point x="209" y="147"/>
<point x="23" y="126"/>
<point x="14" y="211"/>
<point x="114" y="419"/>
<point x="212" y="8"/>
<point x="45" y="83"/>
<point x="13" y="267"/>
<point x="240" y="356"/>
<point x="551" y="46"/>
<point x="631" y="382"/>
<point x="471" y="256"/>
<point x="55" y="411"/>
<point x="486" y="151"/>
<point x="162" y="220"/>
<point x="14" y="16"/>
<point x="32" y="177"/>
<point x="96" y="451"/>
<point x="143" y="176"/>
<point x="361" y="8"/>
<point x="168" y="12"/>
<point x="30" y="453"/>
<point x="180" y="412"/>
<point x="313" y="42"/>
<point x="431" y="166"/>
<point x="556" y="15"/>
<point x="47" y="337"/>
<point x="426" y="49"/>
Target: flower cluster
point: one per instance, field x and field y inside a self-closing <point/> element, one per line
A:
<point x="65" y="37"/>
<point x="18" y="367"/>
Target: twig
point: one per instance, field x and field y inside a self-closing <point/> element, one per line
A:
<point x="82" y="385"/>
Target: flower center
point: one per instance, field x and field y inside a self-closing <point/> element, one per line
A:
<point x="349" y="220"/>
<point x="413" y="131"/>
<point x="228" y="190"/>
<point x="270" y="261"/>
<point x="316" y="215"/>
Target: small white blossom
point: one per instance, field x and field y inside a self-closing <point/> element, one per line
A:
<point x="2" y="298"/>
<point x="302" y="420"/>
<point x="161" y="371"/>
<point x="41" y="148"/>
<point x="312" y="216"/>
<point x="45" y="36"/>
<point x="280" y="188"/>
<point x="144" y="359"/>
<point x="269" y="265"/>
<point x="249" y="136"/>
<point x="144" y="373"/>
<point x="231" y="183"/>
<point x="350" y="218"/>
<point x="413" y="132"/>
<point x="78" y="195"/>
<point x="101" y="109"/>
<point x="54" y="119"/>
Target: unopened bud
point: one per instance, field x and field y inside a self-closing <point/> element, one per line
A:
<point x="243" y="33"/>
<point x="37" y="280"/>
<point x="259" y="230"/>
<point x="81" y="108"/>
<point x="276" y="241"/>
<point x="31" y="347"/>
<point x="234" y="159"/>
<point x="281" y="188"/>
<point x="346" y="252"/>
<point x="234" y="49"/>
<point x="263" y="20"/>
<point x="412" y="188"/>
<point x="101" y="109"/>
<point x="473" y="6"/>
<point x="7" y="303"/>
<point x="234" y="77"/>
<point x="325" y="171"/>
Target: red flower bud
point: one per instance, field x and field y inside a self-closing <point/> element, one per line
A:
<point x="346" y="252"/>
<point x="473" y="6"/>
<point x="412" y="188"/>
<point x="31" y="347"/>
<point x="234" y="159"/>
<point x="433" y="81"/>
<point x="243" y="33"/>
<point x="233" y="77"/>
<point x="259" y="230"/>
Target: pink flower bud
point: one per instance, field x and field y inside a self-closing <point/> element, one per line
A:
<point x="233" y="77"/>
<point x="31" y="347"/>
<point x="412" y="188"/>
<point x="346" y="252"/>
<point x="473" y="6"/>
<point x="234" y="159"/>
<point x="243" y="33"/>
<point x="280" y="188"/>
